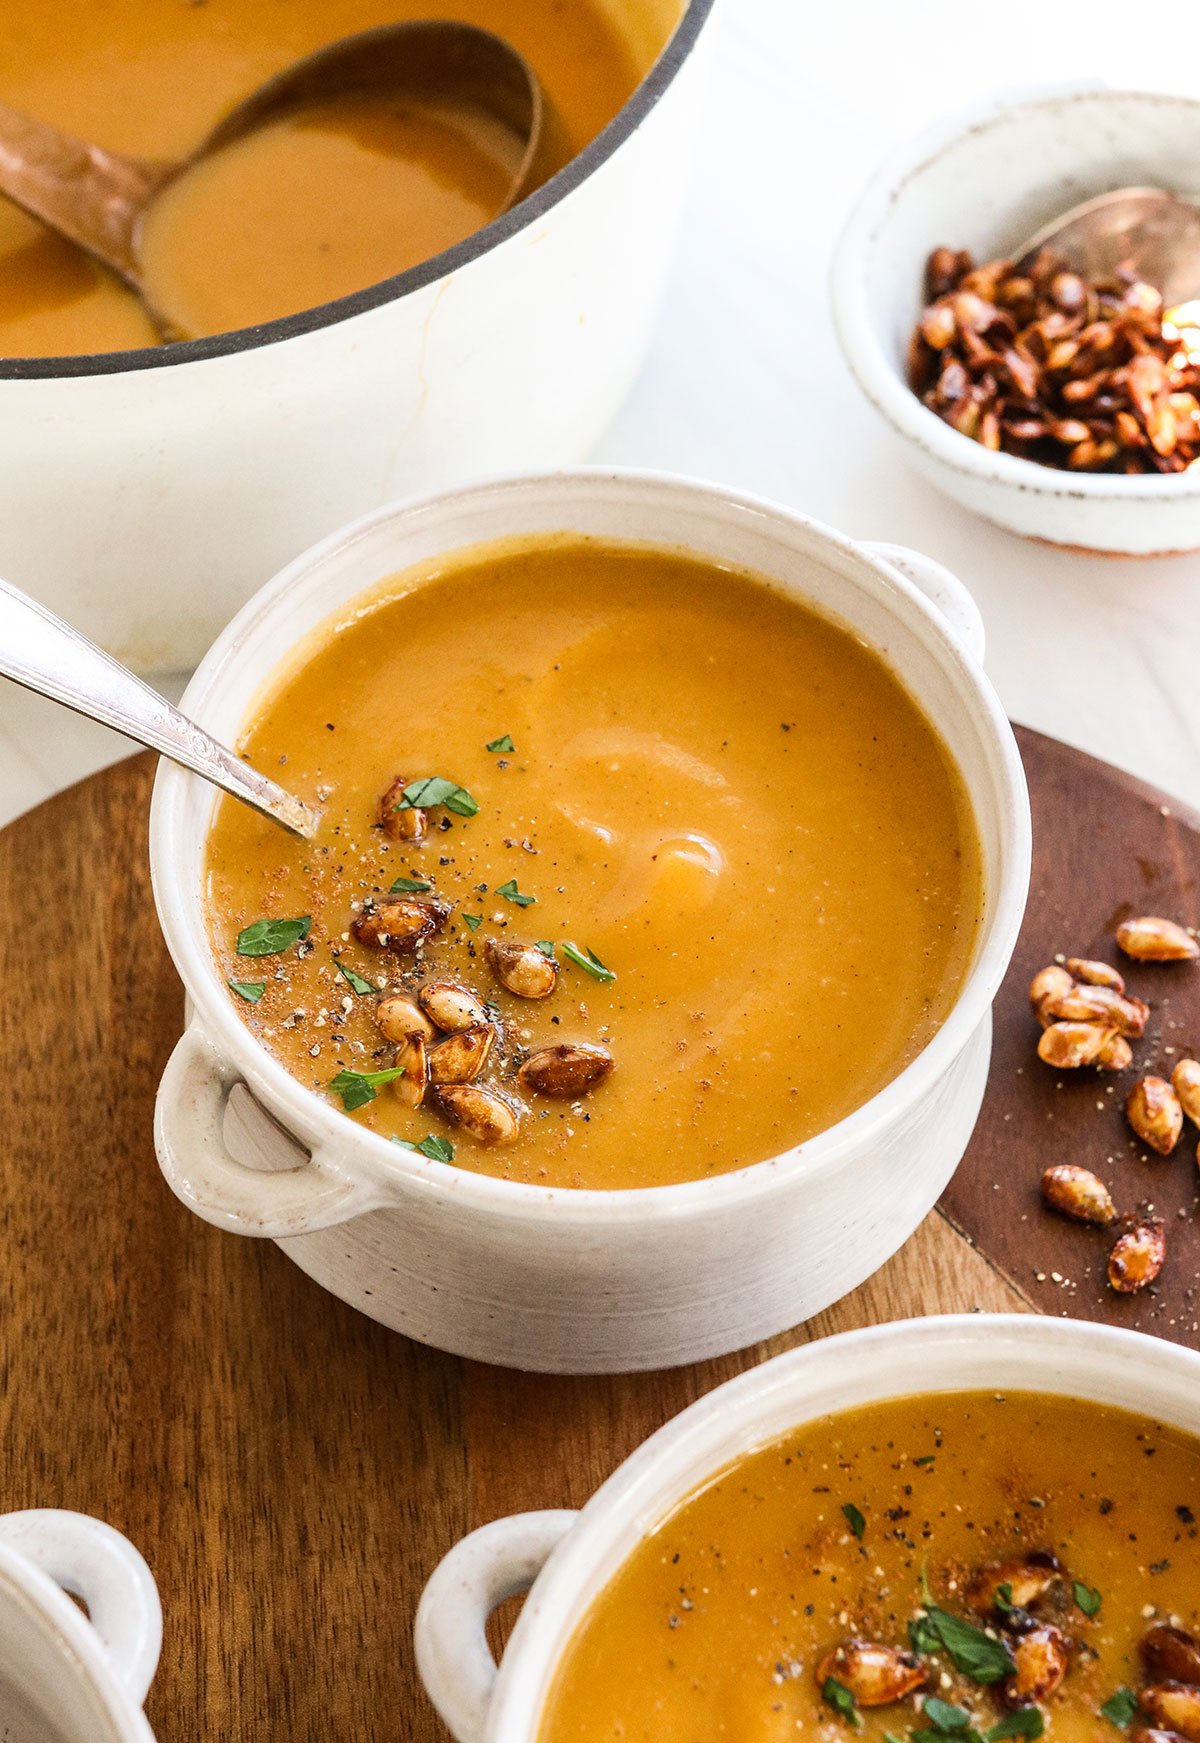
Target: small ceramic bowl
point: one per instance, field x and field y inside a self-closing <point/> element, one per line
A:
<point x="548" y="1277"/>
<point x="568" y="1558"/>
<point x="66" y="1677"/>
<point x="986" y="181"/>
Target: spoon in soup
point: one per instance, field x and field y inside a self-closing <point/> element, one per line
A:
<point x="45" y="654"/>
<point x="101" y="200"/>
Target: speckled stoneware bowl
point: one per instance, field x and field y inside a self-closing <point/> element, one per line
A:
<point x="986" y="180"/>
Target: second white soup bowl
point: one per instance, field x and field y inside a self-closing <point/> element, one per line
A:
<point x="551" y="1278"/>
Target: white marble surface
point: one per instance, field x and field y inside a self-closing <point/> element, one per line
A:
<point x="745" y="382"/>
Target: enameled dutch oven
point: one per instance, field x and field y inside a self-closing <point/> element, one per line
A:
<point x="568" y="1558"/>
<point x="552" y="1278"/>
<point x="144" y="495"/>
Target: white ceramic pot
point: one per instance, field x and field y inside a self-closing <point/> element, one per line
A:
<point x="573" y="1556"/>
<point x="66" y="1677"/>
<point x="986" y="180"/>
<point x="144" y="495"/>
<point x="556" y="1279"/>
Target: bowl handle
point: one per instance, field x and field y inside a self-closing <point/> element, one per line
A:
<point x="453" y="1655"/>
<point x="289" y="1192"/>
<point x="944" y="591"/>
<point x="93" y="1562"/>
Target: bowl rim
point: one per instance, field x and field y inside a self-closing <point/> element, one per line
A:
<point x="644" y="97"/>
<point x="1083" y="1345"/>
<point x="879" y="379"/>
<point x="322" y="1125"/>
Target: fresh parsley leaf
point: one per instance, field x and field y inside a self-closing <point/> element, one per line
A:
<point x="357" y="1088"/>
<point x="945" y="1717"/>
<point x="546" y="946"/>
<point x="978" y="1655"/>
<point x="437" y="790"/>
<point x="272" y="937"/>
<point x="922" y="1637"/>
<point x="473" y="921"/>
<point x="1025" y="1722"/>
<point x="841" y="1700"/>
<point x="511" y="893"/>
<point x="891" y="1737"/>
<point x="1119" y="1709"/>
<point x="925" y="1459"/>
<point x="503" y="743"/>
<point x="435" y="1148"/>
<point x="588" y="961"/>
<point x="1004" y="1596"/>
<point x="361" y="986"/>
<point x="250" y="990"/>
<point x="1088" y="1599"/>
<point x="410" y="887"/>
<point x="854" y="1519"/>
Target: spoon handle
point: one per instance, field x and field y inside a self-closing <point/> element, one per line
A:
<point x="45" y="654"/>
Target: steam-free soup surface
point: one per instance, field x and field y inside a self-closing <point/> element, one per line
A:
<point x="153" y="77"/>
<point x="717" y="1628"/>
<point x="727" y="799"/>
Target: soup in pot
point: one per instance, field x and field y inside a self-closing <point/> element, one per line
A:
<point x="972" y="1567"/>
<point x="632" y="869"/>
<point x="153" y="77"/>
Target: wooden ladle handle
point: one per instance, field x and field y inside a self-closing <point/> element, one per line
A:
<point x="93" y="196"/>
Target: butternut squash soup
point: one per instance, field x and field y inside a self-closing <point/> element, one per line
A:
<point x="968" y="1567"/>
<point x="153" y="77"/>
<point x="631" y="869"/>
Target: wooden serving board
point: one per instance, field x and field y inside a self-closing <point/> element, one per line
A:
<point x="291" y="1471"/>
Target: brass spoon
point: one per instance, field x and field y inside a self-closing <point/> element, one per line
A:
<point x="99" y="199"/>
<point x="1156" y="232"/>
<point x="45" y="654"/>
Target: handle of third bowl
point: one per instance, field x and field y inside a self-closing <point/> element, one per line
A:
<point x="944" y="591"/>
<point x="92" y="1561"/>
<point x="189" y="1117"/>
<point x="453" y="1656"/>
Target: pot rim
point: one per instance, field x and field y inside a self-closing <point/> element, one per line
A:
<point x="636" y="108"/>
<point x="877" y="376"/>
<point x="84" y="1648"/>
<point x="318" y="1123"/>
<point x="560" y="1591"/>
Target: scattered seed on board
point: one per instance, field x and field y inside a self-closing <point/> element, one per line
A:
<point x="1080" y="1194"/>
<point x="1153" y="939"/>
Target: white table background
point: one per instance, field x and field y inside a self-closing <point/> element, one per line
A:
<point x="745" y="383"/>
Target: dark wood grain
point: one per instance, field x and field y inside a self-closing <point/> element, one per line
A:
<point x="1104" y="846"/>
<point x="291" y="1471"/>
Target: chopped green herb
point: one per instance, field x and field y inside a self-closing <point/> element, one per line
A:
<point x="473" y="921"/>
<point x="1004" y="1596"/>
<point x="1025" y="1722"/>
<point x="588" y="961"/>
<point x="1119" y="1709"/>
<point x="410" y="887"/>
<point x="926" y="1588"/>
<point x="891" y="1737"/>
<point x="357" y="1088"/>
<point x="854" y="1519"/>
<point x="546" y="946"/>
<point x="437" y="790"/>
<point x="944" y="1717"/>
<point x="250" y="990"/>
<point x="511" y="893"/>
<point x="978" y="1655"/>
<point x="1087" y="1598"/>
<point x="362" y="987"/>
<point x="841" y="1700"/>
<point x="503" y="743"/>
<point x="926" y="1459"/>
<point x="435" y="1148"/>
<point x="922" y="1637"/>
<point x="272" y="937"/>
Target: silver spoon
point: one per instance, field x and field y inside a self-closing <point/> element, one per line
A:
<point x="45" y="654"/>
<point x="99" y="199"/>
<point x="1156" y="232"/>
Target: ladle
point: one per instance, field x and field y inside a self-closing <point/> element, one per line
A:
<point x="45" y="654"/>
<point x="1156" y="232"/>
<point x="99" y="199"/>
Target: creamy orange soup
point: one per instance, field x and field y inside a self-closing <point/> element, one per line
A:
<point x="704" y="869"/>
<point x="977" y="1566"/>
<point x="152" y="77"/>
